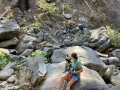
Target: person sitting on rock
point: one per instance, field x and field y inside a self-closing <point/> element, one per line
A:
<point x="77" y="67"/>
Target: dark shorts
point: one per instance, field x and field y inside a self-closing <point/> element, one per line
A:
<point x="76" y="76"/>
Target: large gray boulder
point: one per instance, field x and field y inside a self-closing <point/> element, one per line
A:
<point x="8" y="29"/>
<point x="111" y="60"/>
<point x="87" y="56"/>
<point x="8" y="43"/>
<point x="116" y="87"/>
<point x="116" y="53"/>
<point x="34" y="71"/>
<point x="27" y="42"/>
<point x="37" y="70"/>
<point x="89" y="80"/>
<point x="27" y="52"/>
<point x="7" y="71"/>
<point x="108" y="73"/>
<point x="99" y="39"/>
<point x="115" y="79"/>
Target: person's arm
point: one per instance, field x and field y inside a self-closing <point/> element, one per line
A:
<point x="80" y="70"/>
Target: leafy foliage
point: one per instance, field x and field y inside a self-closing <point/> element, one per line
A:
<point x="81" y="36"/>
<point x="39" y="52"/>
<point x="115" y="72"/>
<point x="4" y="60"/>
<point x="114" y="36"/>
<point x="47" y="9"/>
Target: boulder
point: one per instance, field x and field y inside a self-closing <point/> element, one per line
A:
<point x="115" y="79"/>
<point x="14" y="57"/>
<point x="10" y="65"/>
<point x="82" y="19"/>
<point x="77" y="42"/>
<point x="4" y="50"/>
<point x="109" y="86"/>
<point x="35" y="70"/>
<point x="99" y="39"/>
<point x="67" y="42"/>
<point x="68" y="16"/>
<point x="110" y="60"/>
<point x="75" y="30"/>
<point x="8" y="29"/>
<point x="40" y="36"/>
<point x="107" y="75"/>
<point x="27" y="42"/>
<point x="7" y="71"/>
<point x="49" y="38"/>
<point x="27" y="52"/>
<point x="5" y="74"/>
<point x="11" y="80"/>
<point x="111" y="67"/>
<point x="2" y="84"/>
<point x="87" y="56"/>
<point x="89" y="80"/>
<point x="115" y="53"/>
<point x="8" y="43"/>
<point x="12" y="51"/>
<point x="116" y="87"/>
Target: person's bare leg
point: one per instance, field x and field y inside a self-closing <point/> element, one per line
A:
<point x="64" y="77"/>
<point x="70" y="83"/>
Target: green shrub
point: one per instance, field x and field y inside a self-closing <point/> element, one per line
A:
<point x="115" y="72"/>
<point x="4" y="60"/>
<point x="47" y="9"/>
<point x="114" y="36"/>
<point x="81" y="36"/>
<point x="39" y="52"/>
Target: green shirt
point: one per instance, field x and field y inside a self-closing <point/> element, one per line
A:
<point x="76" y="65"/>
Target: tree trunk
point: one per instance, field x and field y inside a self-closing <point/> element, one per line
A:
<point x="22" y="4"/>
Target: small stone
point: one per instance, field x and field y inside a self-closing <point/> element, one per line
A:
<point x="11" y="80"/>
<point x="82" y="19"/>
<point x="13" y="51"/>
<point x="29" y="10"/>
<point x="3" y="84"/>
<point x="16" y="87"/>
<point x="17" y="82"/>
<point x="81" y="26"/>
<point x="9" y="88"/>
<point x="68" y="16"/>
<point x="36" y="30"/>
<point x="109" y="86"/>
<point x="24" y="85"/>
<point x="85" y="29"/>
<point x="49" y="24"/>
<point x="64" y="31"/>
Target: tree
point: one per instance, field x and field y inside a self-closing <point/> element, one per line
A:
<point x="22" y="4"/>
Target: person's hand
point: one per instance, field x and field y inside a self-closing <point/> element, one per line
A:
<point x="73" y="72"/>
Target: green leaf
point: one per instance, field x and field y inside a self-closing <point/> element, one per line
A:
<point x="115" y="72"/>
<point x="117" y="68"/>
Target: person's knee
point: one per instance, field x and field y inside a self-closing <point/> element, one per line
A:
<point x="63" y="77"/>
<point x="68" y="85"/>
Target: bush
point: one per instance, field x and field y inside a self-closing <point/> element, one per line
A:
<point x="39" y="52"/>
<point x="4" y="59"/>
<point x="114" y="36"/>
<point x="47" y="9"/>
<point x="81" y="36"/>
